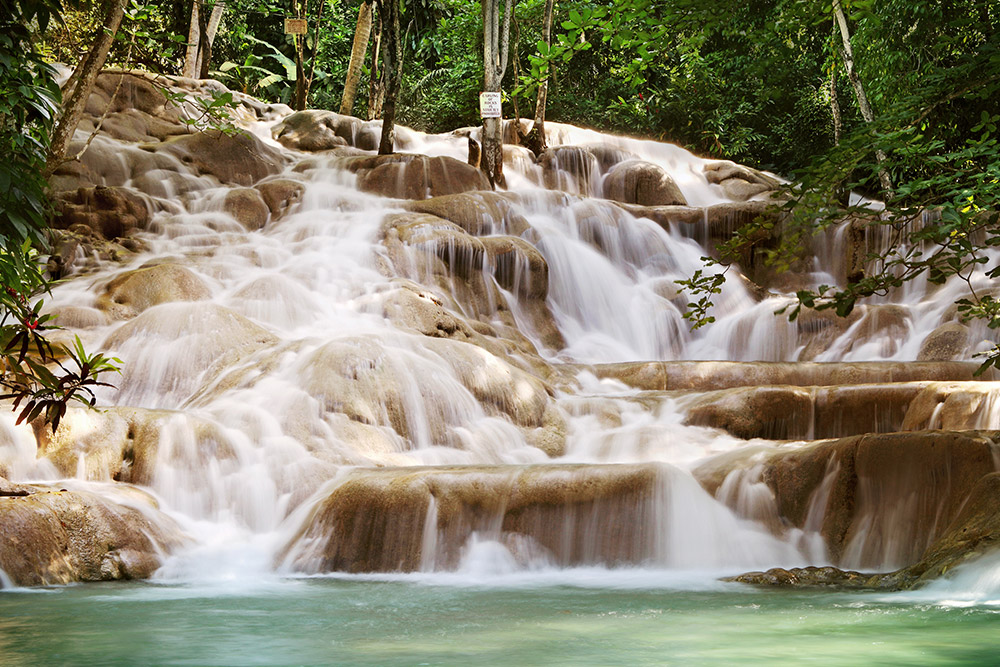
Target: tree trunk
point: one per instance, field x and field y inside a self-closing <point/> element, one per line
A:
<point x="300" y="72"/>
<point x="859" y="91"/>
<point x="535" y="140"/>
<point x="376" y="79"/>
<point x="835" y="108"/>
<point x="194" y="37"/>
<point x="496" y="40"/>
<point x="208" y="39"/>
<point x="361" y="34"/>
<point x="393" y="67"/>
<point x="76" y="102"/>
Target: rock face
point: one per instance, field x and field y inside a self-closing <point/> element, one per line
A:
<point x="111" y="212"/>
<point x="57" y="536"/>
<point x="878" y="501"/>
<point x="400" y="520"/>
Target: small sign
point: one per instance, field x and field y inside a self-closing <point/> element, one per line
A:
<point x="489" y="105"/>
<point x="295" y="27"/>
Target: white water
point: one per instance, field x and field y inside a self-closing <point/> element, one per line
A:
<point x="318" y="379"/>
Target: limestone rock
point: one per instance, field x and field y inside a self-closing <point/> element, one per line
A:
<point x="478" y="213"/>
<point x="280" y="195"/>
<point x="952" y="406"/>
<point x="642" y="183"/>
<point x="248" y="207"/>
<point x="316" y="130"/>
<point x="946" y="343"/>
<point x="240" y="159"/>
<point x="132" y="292"/>
<point x="883" y="498"/>
<point x="408" y="176"/>
<point x="375" y="520"/>
<point x="571" y="169"/>
<point x="58" y="537"/>
<point x="111" y="212"/>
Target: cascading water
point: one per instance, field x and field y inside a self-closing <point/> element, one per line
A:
<point x="354" y="360"/>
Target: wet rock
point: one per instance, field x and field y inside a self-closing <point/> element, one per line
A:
<point x="720" y="172"/>
<point x="709" y="375"/>
<point x="946" y="343"/>
<point x="740" y="190"/>
<point x="111" y="212"/>
<point x="132" y="292"/>
<point x="58" y="537"/>
<point x="80" y="249"/>
<point x="78" y="317"/>
<point x="809" y="577"/>
<point x="776" y="413"/>
<point x="375" y="520"/>
<point x="953" y="406"/>
<point x="239" y="159"/>
<point x="642" y="183"/>
<point x="317" y="130"/>
<point x="478" y="213"/>
<point x="280" y="195"/>
<point x="878" y="500"/>
<point x="408" y="176"/>
<point x="571" y="169"/>
<point x="248" y="207"/>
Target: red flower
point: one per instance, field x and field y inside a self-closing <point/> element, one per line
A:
<point x="31" y="324"/>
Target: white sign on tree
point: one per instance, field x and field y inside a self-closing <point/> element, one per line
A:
<point x="489" y="105"/>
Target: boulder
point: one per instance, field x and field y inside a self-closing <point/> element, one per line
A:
<point x="236" y="159"/>
<point x="740" y="190"/>
<point x="946" y="343"/>
<point x="316" y="130"/>
<point x="247" y="205"/>
<point x="408" y="176"/>
<point x="642" y="183"/>
<point x="132" y="292"/>
<point x="720" y="172"/>
<point x="953" y="406"/>
<point x="57" y="537"/>
<point x="571" y="169"/>
<point x="280" y="195"/>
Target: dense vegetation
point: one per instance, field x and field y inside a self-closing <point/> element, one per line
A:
<point x="773" y="84"/>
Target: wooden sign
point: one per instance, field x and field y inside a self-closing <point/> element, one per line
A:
<point x="490" y="105"/>
<point x="295" y="27"/>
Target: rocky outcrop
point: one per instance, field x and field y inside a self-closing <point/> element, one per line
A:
<point x="478" y="213"/>
<point x="879" y="501"/>
<point x="402" y="520"/>
<point x="739" y="182"/>
<point x="54" y="536"/>
<point x="111" y="212"/>
<point x="280" y="195"/>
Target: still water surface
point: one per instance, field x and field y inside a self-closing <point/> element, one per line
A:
<point x="577" y="618"/>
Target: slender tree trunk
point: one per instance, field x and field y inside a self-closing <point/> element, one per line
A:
<point x="859" y="91"/>
<point x="496" y="41"/>
<point x="300" y="73"/>
<point x="194" y="38"/>
<point x="208" y="39"/>
<point x="76" y="101"/>
<point x="361" y="35"/>
<point x="376" y="79"/>
<point x="536" y="137"/>
<point x="835" y="108"/>
<point x="393" y="66"/>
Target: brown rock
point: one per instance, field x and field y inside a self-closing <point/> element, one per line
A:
<point x="642" y="183"/>
<point x="317" y="130"/>
<point x="57" y="537"/>
<point x="111" y="212"/>
<point x="239" y="159"/>
<point x="479" y="213"/>
<point x="280" y="195"/>
<point x="407" y="176"/>
<point x="247" y="205"/>
<point x="946" y="343"/>
<point x="132" y="292"/>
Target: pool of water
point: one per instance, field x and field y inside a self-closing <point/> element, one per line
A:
<point x="582" y="617"/>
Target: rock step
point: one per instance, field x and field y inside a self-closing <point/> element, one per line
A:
<point x="709" y="375"/>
